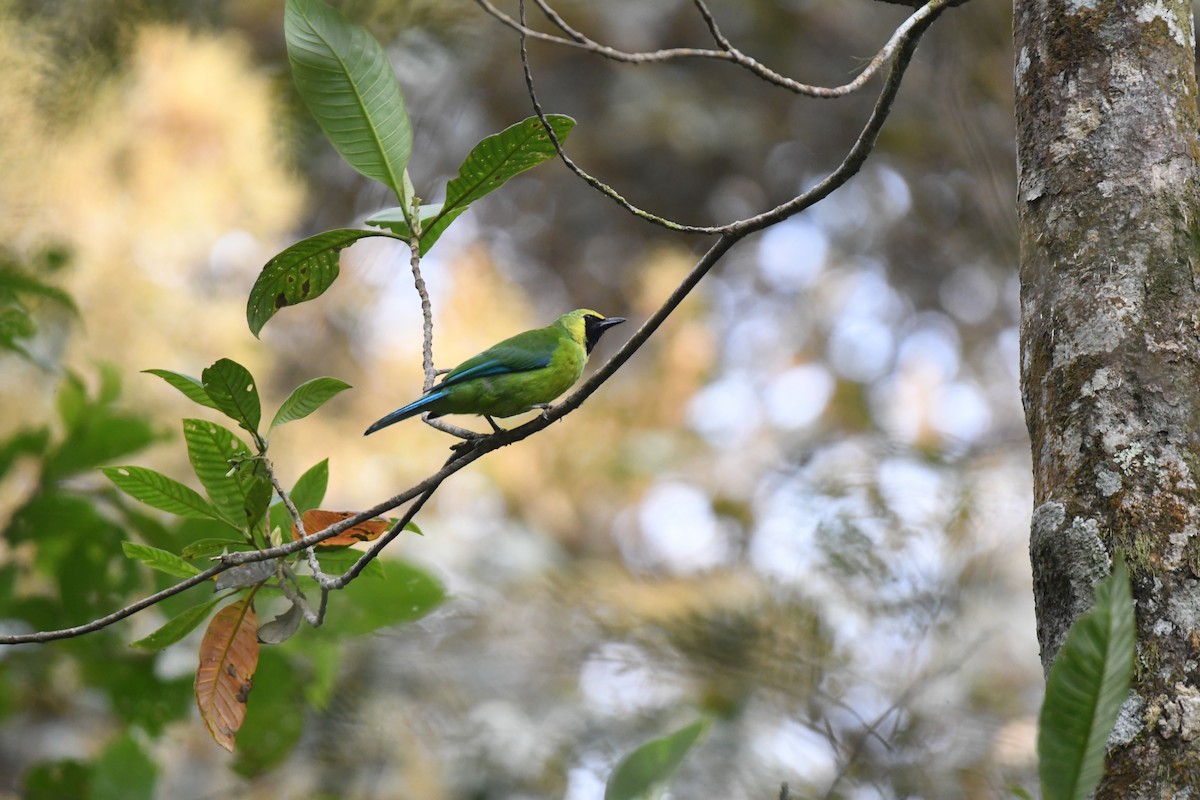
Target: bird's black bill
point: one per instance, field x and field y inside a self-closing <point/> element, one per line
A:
<point x="594" y="328"/>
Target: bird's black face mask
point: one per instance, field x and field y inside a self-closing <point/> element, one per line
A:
<point x="594" y="328"/>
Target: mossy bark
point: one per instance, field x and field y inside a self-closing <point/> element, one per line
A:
<point x="1108" y="196"/>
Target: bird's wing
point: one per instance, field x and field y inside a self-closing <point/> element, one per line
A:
<point x="521" y="353"/>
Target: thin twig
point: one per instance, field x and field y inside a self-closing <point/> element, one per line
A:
<point x="427" y="367"/>
<point x="291" y="590"/>
<point x="599" y="49"/>
<point x="414" y="246"/>
<point x="726" y="52"/>
<point x="383" y="541"/>
<point x="913" y="28"/>
<point x="310" y="553"/>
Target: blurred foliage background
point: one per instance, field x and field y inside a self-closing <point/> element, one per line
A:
<point x="801" y="509"/>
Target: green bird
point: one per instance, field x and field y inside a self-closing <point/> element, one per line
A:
<point x="524" y="372"/>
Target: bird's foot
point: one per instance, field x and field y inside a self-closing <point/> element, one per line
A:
<point x="495" y="428"/>
<point x="545" y="407"/>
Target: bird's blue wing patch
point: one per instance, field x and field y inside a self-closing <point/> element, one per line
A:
<point x="503" y="359"/>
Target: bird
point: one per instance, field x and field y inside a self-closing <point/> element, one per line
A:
<point x="519" y="374"/>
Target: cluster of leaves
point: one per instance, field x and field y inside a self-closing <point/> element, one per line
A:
<point x="345" y="79"/>
<point x="68" y="537"/>
<point x="237" y="513"/>
<point x="19" y="289"/>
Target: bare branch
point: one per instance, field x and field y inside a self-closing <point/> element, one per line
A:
<point x="726" y="51"/>
<point x="414" y="246"/>
<point x="590" y="46"/>
<point x="906" y="39"/>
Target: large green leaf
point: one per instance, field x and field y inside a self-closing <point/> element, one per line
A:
<point x="652" y="763"/>
<point x="231" y="388"/>
<point x="191" y="387"/>
<point x="348" y="84"/>
<point x="123" y="772"/>
<point x="1088" y="682"/>
<point x="275" y="716"/>
<point x="406" y="593"/>
<point x="309" y="491"/>
<point x="495" y="160"/>
<point x="307" y="398"/>
<point x="160" y="560"/>
<point x="488" y="166"/>
<point x="155" y="489"/>
<point x="179" y="626"/>
<point x="211" y="448"/>
<point x="301" y="272"/>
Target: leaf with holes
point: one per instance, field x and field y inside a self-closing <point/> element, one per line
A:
<point x="231" y="388"/>
<point x="307" y="398"/>
<point x="348" y="84"/>
<point x="191" y="387"/>
<point x="228" y="658"/>
<point x="157" y="490"/>
<point x="300" y="273"/>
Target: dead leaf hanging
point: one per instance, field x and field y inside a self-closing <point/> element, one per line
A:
<point x="228" y="658"/>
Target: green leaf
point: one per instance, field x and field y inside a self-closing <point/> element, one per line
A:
<point x="492" y="163"/>
<point x="179" y="626"/>
<point x="155" y="489"/>
<point x="652" y="763"/>
<point x="302" y="272"/>
<point x="23" y="443"/>
<point x="1088" y="683"/>
<point x="348" y="84"/>
<point x="123" y="772"/>
<point x="54" y="780"/>
<point x="191" y="387"/>
<point x="307" y="398"/>
<point x="309" y="491"/>
<point x="274" y="717"/>
<point x="337" y="561"/>
<point x="212" y="546"/>
<point x="15" y="281"/>
<point x="160" y="560"/>
<point x="210" y="448"/>
<point x="406" y="593"/>
<point x="231" y="388"/>
<point x="394" y="220"/>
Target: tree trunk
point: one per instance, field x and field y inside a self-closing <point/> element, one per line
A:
<point x="1108" y="196"/>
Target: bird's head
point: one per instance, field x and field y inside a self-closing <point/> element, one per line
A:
<point x="587" y="326"/>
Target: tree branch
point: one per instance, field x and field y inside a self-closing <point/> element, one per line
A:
<point x="906" y="38"/>
<point x="726" y="52"/>
<point x="475" y="448"/>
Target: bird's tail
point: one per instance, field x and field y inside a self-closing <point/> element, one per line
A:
<point x="410" y="410"/>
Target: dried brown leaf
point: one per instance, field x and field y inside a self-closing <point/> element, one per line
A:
<point x="317" y="519"/>
<point x="228" y="658"/>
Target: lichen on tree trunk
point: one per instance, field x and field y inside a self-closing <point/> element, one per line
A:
<point x="1108" y="203"/>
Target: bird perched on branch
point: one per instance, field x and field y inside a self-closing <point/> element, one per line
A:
<point x="521" y="373"/>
